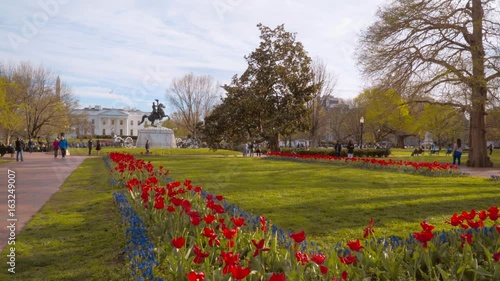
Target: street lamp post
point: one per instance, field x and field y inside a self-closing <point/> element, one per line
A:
<point x="361" y="126"/>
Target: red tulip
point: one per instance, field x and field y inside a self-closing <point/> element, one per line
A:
<point x="466" y="238"/>
<point x="194" y="276"/>
<point x="302" y="258"/>
<point x="369" y="230"/>
<point x="259" y="246"/>
<point x="159" y="203"/>
<point x="178" y="242"/>
<point x="263" y="223"/>
<point x="229" y="233"/>
<point x="496" y="257"/>
<point x="240" y="272"/>
<point x="483" y="215"/>
<point x="298" y="236"/>
<point x="424" y="237"/>
<point x="239" y="222"/>
<point x="195" y="220"/>
<point x="318" y="259"/>
<point x="200" y="255"/>
<point x="426" y="227"/>
<point x="277" y="277"/>
<point x="323" y="269"/>
<point x="209" y="218"/>
<point x="347" y="259"/>
<point x="230" y="261"/>
<point x="354" y="245"/>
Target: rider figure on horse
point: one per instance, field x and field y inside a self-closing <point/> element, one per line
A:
<point x="156" y="114"/>
<point x="155" y="107"/>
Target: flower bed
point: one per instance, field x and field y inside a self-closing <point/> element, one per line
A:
<point x="199" y="236"/>
<point x="423" y="168"/>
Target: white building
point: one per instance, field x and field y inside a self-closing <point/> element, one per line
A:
<point x="113" y="121"/>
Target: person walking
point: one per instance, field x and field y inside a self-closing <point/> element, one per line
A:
<point x="55" y="146"/>
<point x="31" y="145"/>
<point x="457" y="152"/>
<point x="350" y="149"/>
<point x="98" y="147"/>
<point x="338" y="149"/>
<point x="90" y="144"/>
<point x="19" y="149"/>
<point x="63" y="145"/>
<point x="490" y="147"/>
<point x="147" y="146"/>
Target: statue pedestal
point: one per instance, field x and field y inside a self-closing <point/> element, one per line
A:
<point x="159" y="137"/>
<point x="427" y="140"/>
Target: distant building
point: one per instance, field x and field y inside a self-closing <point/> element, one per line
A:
<point x="332" y="102"/>
<point x="112" y="121"/>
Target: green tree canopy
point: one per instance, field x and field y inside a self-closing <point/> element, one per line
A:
<point x="444" y="122"/>
<point x="269" y="99"/>
<point x="386" y="113"/>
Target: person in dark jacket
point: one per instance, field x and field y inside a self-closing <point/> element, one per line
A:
<point x="98" y="147"/>
<point x="338" y="149"/>
<point x="350" y="149"/>
<point x="55" y="147"/>
<point x="147" y="146"/>
<point x="90" y="144"/>
<point x="19" y="149"/>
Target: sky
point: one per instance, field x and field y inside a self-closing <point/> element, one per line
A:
<point x="126" y="53"/>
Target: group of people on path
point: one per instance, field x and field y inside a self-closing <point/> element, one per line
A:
<point x="62" y="144"/>
<point x="250" y="149"/>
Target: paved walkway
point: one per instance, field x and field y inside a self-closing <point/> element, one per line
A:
<point x="36" y="178"/>
<point x="481" y="172"/>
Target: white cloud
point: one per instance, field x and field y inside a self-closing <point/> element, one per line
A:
<point x="135" y="48"/>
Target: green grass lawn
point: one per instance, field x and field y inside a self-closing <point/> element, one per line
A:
<point x="77" y="235"/>
<point x="158" y="151"/>
<point x="333" y="203"/>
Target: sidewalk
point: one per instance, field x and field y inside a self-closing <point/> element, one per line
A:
<point x="36" y="178"/>
<point x="480" y="172"/>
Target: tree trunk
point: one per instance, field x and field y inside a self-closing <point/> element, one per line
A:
<point x="274" y="143"/>
<point x="478" y="156"/>
<point x="401" y="141"/>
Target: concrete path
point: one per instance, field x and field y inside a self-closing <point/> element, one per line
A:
<point x="480" y="172"/>
<point x="36" y="178"/>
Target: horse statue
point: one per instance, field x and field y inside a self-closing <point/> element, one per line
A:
<point x="157" y="114"/>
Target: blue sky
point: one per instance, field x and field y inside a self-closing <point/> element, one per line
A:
<point x="126" y="53"/>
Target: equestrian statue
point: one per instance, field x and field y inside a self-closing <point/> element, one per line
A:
<point x="156" y="114"/>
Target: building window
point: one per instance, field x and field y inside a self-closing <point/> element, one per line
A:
<point x="112" y="122"/>
<point x="104" y="122"/>
<point x="121" y="132"/>
<point x="131" y="122"/>
<point x="121" y="122"/>
<point x="93" y="122"/>
<point x="131" y="132"/>
<point x="103" y="132"/>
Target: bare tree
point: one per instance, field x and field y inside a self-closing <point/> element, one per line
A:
<point x="193" y="98"/>
<point x="344" y="120"/>
<point x="318" y="114"/>
<point x="437" y="48"/>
